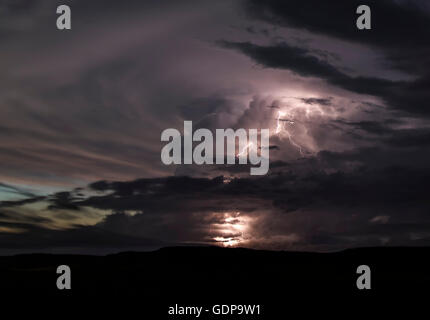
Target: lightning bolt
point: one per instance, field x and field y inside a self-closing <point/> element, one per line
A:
<point x="280" y="128"/>
<point x="247" y="147"/>
<point x="279" y="125"/>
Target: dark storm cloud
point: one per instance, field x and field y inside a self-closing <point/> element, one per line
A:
<point x="399" y="30"/>
<point x="285" y="56"/>
<point x="393" y="190"/>
<point x="410" y="96"/>
<point x="410" y="138"/>
<point x="172" y="194"/>
<point x="302" y="62"/>
<point x="62" y="200"/>
<point x="372" y="127"/>
<point x="395" y="24"/>
<point x="399" y="138"/>
<point x="365" y="197"/>
<point x="320" y="101"/>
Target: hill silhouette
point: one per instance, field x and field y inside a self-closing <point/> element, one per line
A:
<point x="213" y="275"/>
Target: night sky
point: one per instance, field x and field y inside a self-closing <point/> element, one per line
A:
<point x="82" y="111"/>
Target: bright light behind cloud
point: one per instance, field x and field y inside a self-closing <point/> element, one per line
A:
<point x="294" y="116"/>
<point x="234" y="228"/>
